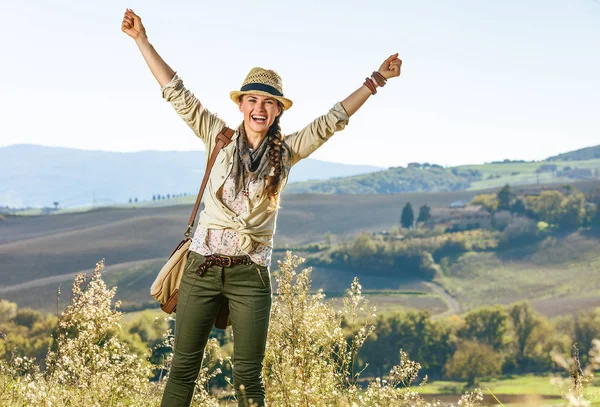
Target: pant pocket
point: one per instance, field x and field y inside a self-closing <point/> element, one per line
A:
<point x="263" y="275"/>
<point x="193" y="261"/>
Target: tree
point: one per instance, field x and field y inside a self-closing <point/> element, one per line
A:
<point x="408" y="216"/>
<point x="547" y="206"/>
<point x="488" y="201"/>
<point x="429" y="341"/>
<point x="487" y="325"/>
<point x="587" y="328"/>
<point x="524" y="321"/>
<point x="573" y="211"/>
<point x="55" y="203"/>
<point x="473" y="361"/>
<point x="424" y="213"/>
<point x="8" y="310"/>
<point x="518" y="207"/>
<point x="595" y="210"/>
<point x="364" y="246"/>
<point x="505" y="197"/>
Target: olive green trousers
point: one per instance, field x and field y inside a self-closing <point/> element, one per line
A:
<point x="248" y="290"/>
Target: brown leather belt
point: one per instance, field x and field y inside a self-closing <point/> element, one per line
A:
<point x="221" y="260"/>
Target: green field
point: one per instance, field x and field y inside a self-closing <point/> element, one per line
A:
<point x="515" y="391"/>
<point x="526" y="173"/>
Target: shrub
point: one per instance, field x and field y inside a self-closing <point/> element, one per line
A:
<point x="8" y="310"/>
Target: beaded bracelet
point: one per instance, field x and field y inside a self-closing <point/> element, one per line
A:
<point x="379" y="78"/>
<point x="371" y="85"/>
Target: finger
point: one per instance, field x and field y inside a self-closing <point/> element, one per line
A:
<point x="128" y="19"/>
<point x="392" y="57"/>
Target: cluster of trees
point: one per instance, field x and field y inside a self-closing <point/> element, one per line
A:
<point x="418" y="255"/>
<point x="407" y="219"/>
<point x="565" y="209"/>
<point x="486" y="342"/>
<point x="28" y="331"/>
<point x="158" y="197"/>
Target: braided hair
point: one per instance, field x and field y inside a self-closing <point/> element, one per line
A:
<point x="276" y="150"/>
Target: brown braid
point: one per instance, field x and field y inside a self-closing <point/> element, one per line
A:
<point x="275" y="151"/>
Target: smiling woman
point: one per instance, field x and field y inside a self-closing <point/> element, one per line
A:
<point x="229" y="257"/>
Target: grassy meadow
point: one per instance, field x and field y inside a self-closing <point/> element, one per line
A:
<point x="524" y="173"/>
<point x="559" y="275"/>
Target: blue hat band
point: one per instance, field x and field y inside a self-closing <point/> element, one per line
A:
<point x="261" y="87"/>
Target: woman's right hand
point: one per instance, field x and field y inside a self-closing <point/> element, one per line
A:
<point x="132" y="24"/>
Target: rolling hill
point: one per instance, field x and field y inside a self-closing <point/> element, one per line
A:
<point x="569" y="167"/>
<point x="37" y="253"/>
<point x="588" y="153"/>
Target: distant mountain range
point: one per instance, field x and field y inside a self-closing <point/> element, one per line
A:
<point x="37" y="176"/>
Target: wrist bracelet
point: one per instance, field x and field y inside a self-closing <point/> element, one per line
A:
<point x="371" y="85"/>
<point x="379" y="78"/>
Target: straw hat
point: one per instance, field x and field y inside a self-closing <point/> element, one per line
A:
<point x="262" y="82"/>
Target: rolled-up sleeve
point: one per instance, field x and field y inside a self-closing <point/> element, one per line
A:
<point x="304" y="142"/>
<point x="189" y="108"/>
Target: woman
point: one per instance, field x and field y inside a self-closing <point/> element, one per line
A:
<point x="230" y="254"/>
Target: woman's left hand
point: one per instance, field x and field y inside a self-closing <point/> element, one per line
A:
<point x="391" y="67"/>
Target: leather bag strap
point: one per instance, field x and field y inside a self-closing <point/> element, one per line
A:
<point x="223" y="139"/>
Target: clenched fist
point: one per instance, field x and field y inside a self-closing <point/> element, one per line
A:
<point x="391" y="67"/>
<point x="132" y="24"/>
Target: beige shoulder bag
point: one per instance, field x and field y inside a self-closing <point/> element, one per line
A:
<point x="166" y="285"/>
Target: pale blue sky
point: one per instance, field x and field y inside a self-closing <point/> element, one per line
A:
<point x="481" y="80"/>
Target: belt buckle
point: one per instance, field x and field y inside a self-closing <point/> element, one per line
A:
<point x="228" y="258"/>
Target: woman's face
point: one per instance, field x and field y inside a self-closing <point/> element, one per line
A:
<point x="259" y="112"/>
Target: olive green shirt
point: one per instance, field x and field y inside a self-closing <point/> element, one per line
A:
<point x="259" y="224"/>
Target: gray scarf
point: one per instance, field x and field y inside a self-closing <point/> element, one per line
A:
<point x="249" y="166"/>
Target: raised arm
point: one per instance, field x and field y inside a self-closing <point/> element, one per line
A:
<point x="306" y="141"/>
<point x="389" y="69"/>
<point x="132" y="26"/>
<point x="204" y="124"/>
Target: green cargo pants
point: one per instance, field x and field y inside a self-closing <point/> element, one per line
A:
<point x="248" y="290"/>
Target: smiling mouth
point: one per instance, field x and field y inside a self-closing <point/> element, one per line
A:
<point x="259" y="119"/>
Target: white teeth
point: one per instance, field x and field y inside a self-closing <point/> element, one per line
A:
<point x="259" y="117"/>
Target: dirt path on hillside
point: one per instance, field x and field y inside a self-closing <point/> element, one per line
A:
<point x="453" y="305"/>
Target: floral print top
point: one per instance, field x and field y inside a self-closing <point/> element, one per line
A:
<point x="227" y="241"/>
